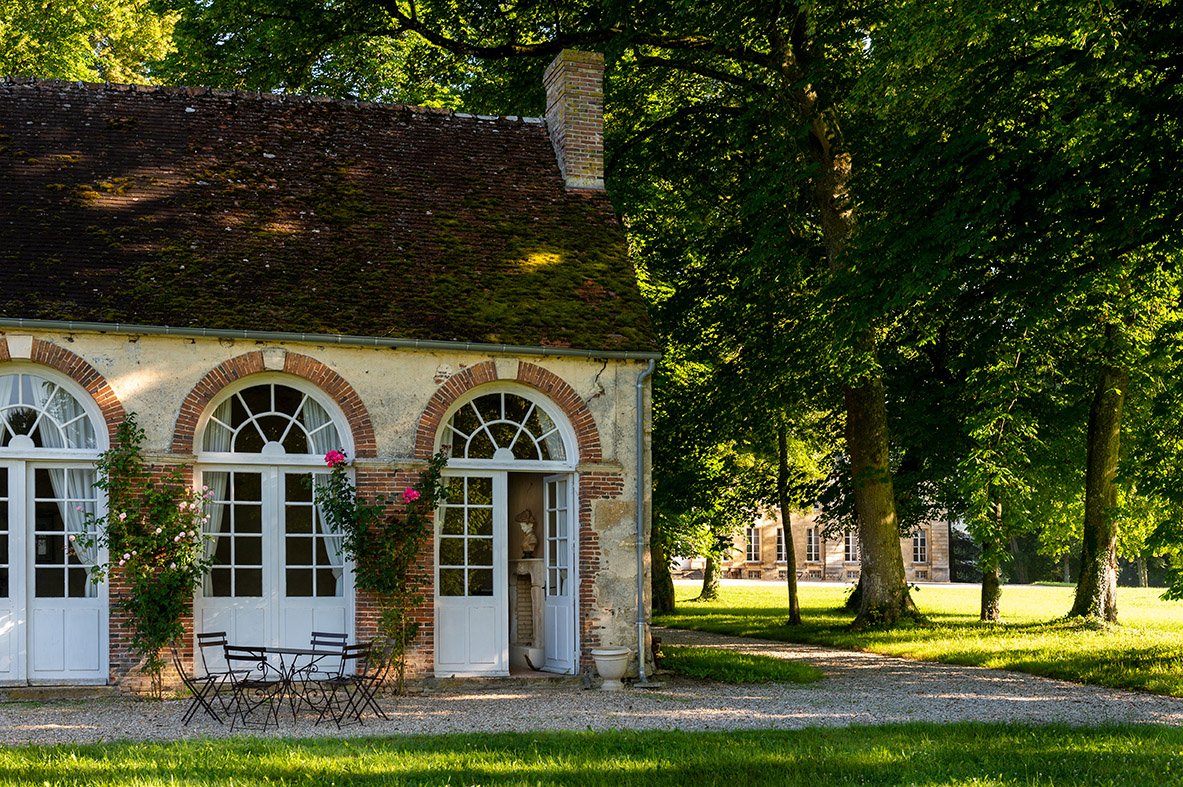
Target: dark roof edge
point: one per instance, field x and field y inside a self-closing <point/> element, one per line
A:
<point x="258" y="95"/>
<point x="323" y="338"/>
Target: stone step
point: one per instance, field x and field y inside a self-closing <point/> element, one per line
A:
<point x="48" y="693"/>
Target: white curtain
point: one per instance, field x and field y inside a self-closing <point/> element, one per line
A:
<point x="7" y="389"/>
<point x="69" y="415"/>
<point x="322" y="438"/>
<point x="75" y="493"/>
<point x="322" y="435"/>
<point x="218" y="439"/>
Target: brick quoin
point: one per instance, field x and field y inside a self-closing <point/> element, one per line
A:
<point x="303" y="366"/>
<point x="592" y="486"/>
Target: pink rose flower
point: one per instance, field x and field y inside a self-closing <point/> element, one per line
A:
<point x="410" y="495"/>
<point x="334" y="458"/>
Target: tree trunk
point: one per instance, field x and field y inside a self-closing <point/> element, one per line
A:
<point x="1143" y="574"/>
<point x="663" y="582"/>
<point x="855" y="599"/>
<point x="991" y="563"/>
<point x="710" y="581"/>
<point x="1067" y="567"/>
<point x="1096" y="587"/>
<point x="885" y="599"/>
<point x="782" y="495"/>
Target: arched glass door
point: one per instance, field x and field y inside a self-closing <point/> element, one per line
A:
<point x="53" y="618"/>
<point x="511" y="459"/>
<point x="278" y="571"/>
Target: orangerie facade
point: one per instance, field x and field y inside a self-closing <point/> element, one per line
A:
<point x="265" y="278"/>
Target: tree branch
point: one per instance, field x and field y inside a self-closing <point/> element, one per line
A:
<point x="703" y="71"/>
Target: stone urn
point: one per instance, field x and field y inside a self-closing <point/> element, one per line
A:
<point x="611" y="663"/>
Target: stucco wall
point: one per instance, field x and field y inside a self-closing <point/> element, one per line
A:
<point x="152" y="376"/>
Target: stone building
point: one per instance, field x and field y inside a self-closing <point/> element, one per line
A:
<point x="264" y="278"/>
<point x="759" y="552"/>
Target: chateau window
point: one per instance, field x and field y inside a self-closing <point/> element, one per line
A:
<point x="812" y="546"/>
<point x="753" y="551"/>
<point x="920" y="546"/>
<point x="851" y="552"/>
<point x="780" y="545"/>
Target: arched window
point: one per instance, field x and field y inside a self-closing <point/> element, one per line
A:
<point x="504" y="426"/>
<point x="36" y="412"/>
<point x="271" y="419"/>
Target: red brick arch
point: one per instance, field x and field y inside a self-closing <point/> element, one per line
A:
<point x="341" y="392"/>
<point x="77" y="369"/>
<point x="587" y="436"/>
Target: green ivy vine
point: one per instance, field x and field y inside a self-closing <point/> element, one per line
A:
<point x="383" y="538"/>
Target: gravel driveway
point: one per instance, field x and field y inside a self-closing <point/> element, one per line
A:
<point x="860" y="688"/>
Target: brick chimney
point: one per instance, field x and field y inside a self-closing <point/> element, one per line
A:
<point x="575" y="116"/>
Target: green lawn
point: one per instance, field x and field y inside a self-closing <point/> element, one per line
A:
<point x="963" y="754"/>
<point x="1145" y="651"/>
<point x="729" y="667"/>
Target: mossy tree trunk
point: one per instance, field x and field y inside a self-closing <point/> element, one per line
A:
<point x="710" y="580"/>
<point x="1096" y="587"/>
<point x="663" y="582"/>
<point x="782" y="496"/>
<point x="991" y="563"/>
<point x="885" y="600"/>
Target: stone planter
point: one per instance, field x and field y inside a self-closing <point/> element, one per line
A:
<point x="611" y="664"/>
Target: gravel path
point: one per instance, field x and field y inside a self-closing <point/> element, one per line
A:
<point x="860" y="688"/>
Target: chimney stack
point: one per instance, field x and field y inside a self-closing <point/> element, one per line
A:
<point x="575" y="116"/>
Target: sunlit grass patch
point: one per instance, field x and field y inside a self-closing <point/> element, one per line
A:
<point x="728" y="666"/>
<point x="960" y="754"/>
<point x="1145" y="651"/>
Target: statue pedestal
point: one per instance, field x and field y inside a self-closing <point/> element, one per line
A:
<point x="527" y="585"/>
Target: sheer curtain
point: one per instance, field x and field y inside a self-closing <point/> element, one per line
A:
<point x="75" y="493"/>
<point x="218" y="439"/>
<point x="322" y="438"/>
<point x="8" y="386"/>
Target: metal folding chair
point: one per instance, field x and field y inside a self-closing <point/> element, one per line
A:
<point x="215" y="642"/>
<point x="255" y="684"/>
<point x="203" y="690"/>
<point x="353" y="691"/>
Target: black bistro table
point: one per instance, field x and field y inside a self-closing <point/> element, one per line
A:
<point x="292" y="667"/>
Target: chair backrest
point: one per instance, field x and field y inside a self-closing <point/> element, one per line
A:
<point x="356" y="659"/>
<point x="186" y="676"/>
<point x="210" y="639"/>
<point x="328" y="640"/>
<point x="241" y="662"/>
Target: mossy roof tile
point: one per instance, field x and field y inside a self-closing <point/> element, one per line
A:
<point x="196" y="208"/>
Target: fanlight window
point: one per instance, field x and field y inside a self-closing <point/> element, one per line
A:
<point x="271" y="419"/>
<point x="39" y="413"/>
<point x="504" y="426"/>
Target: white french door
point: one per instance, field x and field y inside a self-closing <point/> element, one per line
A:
<point x="559" y="604"/>
<point x="53" y="618"/>
<point x="12" y="618"/>
<point x="278" y="575"/>
<point x="471" y="584"/>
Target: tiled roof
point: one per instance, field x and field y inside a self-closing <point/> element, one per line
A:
<point x="198" y="208"/>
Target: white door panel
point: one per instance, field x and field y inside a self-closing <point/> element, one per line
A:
<point x="559" y="606"/>
<point x="471" y="587"/>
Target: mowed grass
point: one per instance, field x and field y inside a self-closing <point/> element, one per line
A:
<point x="727" y="666"/>
<point x="962" y="754"/>
<point x="1144" y="651"/>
